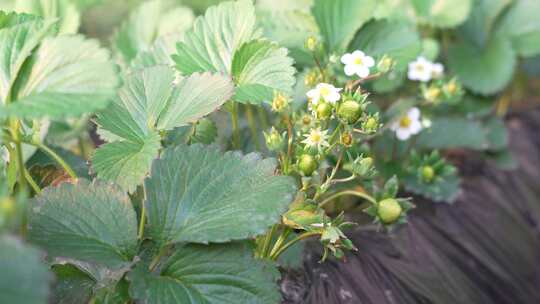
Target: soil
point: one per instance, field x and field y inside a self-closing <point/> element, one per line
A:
<point x="482" y="249"/>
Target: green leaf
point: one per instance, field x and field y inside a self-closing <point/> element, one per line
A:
<point x="127" y="162"/>
<point x="65" y="10"/>
<point x="63" y="81"/>
<point x="522" y="25"/>
<point x="150" y="102"/>
<point x="194" y="97"/>
<point x="290" y="28"/>
<point x="339" y="20"/>
<point x="215" y="37"/>
<point x="259" y="69"/>
<point x="72" y="286"/>
<point x="197" y="194"/>
<point x="24" y="278"/>
<point x="442" y="13"/>
<point x="479" y="26"/>
<point x="91" y="222"/>
<point x="214" y="274"/>
<point x="285" y="5"/>
<point x="20" y="34"/>
<point x="397" y="39"/>
<point x="159" y="53"/>
<point x="453" y="132"/>
<point x="484" y="71"/>
<point x="148" y="21"/>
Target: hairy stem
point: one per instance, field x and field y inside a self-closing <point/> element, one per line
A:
<point x="283" y="248"/>
<point x="235" y="128"/>
<point x="252" y="126"/>
<point x="56" y="158"/>
<point x="363" y="195"/>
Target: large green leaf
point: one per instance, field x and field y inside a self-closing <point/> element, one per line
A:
<point x="290" y="28"/>
<point x="225" y="40"/>
<point x="149" y="21"/>
<point x="259" y="69"/>
<point x="65" y="10"/>
<point x="197" y="194"/>
<point x="20" y="34"/>
<point x="149" y="102"/>
<point x="485" y="71"/>
<point x="478" y="27"/>
<point x="397" y="39"/>
<point x="24" y="277"/>
<point x="215" y="274"/>
<point x="522" y="25"/>
<point x="127" y="162"/>
<point x="159" y="53"/>
<point x="72" y="286"/>
<point x="68" y="76"/>
<point x="92" y="222"/>
<point x="442" y="13"/>
<point x="215" y="37"/>
<point x="339" y="20"/>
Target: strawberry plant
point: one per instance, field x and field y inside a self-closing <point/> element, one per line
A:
<point x="181" y="163"/>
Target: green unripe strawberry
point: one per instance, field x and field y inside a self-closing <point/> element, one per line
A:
<point x="324" y="110"/>
<point x="389" y="210"/>
<point x="428" y="174"/>
<point x="307" y="164"/>
<point x="350" y="111"/>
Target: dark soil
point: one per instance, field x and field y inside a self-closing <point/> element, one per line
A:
<point x="482" y="249"/>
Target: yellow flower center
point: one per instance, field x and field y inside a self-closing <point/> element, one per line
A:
<point x="325" y="91"/>
<point x="358" y="60"/>
<point x="315" y="137"/>
<point x="405" y="122"/>
<point x="420" y="67"/>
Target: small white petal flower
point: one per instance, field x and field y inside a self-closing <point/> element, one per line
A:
<point x="437" y="70"/>
<point x="420" y="70"/>
<point x="316" y="138"/>
<point x="357" y="63"/>
<point x="326" y="91"/>
<point x="408" y="125"/>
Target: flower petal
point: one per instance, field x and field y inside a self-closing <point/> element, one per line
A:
<point x="368" y="61"/>
<point x="347" y="58"/>
<point x="413" y="113"/>
<point x="362" y="72"/>
<point x="415" y="127"/>
<point x="403" y="134"/>
<point x="350" y="69"/>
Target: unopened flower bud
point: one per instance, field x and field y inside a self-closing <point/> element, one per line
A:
<point x="324" y="110"/>
<point x="432" y="94"/>
<point x="362" y="166"/>
<point x="371" y="125"/>
<point x="389" y="210"/>
<point x="280" y="102"/>
<point x="311" y="43"/>
<point x="428" y="174"/>
<point x="307" y="164"/>
<point x="350" y="111"/>
<point x="346" y="139"/>
<point x="311" y="79"/>
<point x="385" y="64"/>
<point x="274" y="141"/>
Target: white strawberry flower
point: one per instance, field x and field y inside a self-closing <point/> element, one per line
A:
<point x="326" y="91"/>
<point x="437" y="70"/>
<point x="357" y="63"/>
<point x="408" y="125"/>
<point x="420" y="70"/>
<point x="316" y="138"/>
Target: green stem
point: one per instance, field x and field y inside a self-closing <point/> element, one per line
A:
<point x="281" y="239"/>
<point x="252" y="126"/>
<point x="267" y="240"/>
<point x="16" y="136"/>
<point x="348" y="192"/>
<point x="263" y="118"/>
<point x="57" y="158"/>
<point x="143" y="215"/>
<point x="157" y="258"/>
<point x="235" y="129"/>
<point x="303" y="236"/>
<point x="82" y="147"/>
<point x="31" y="181"/>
